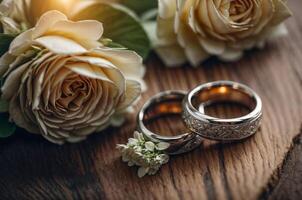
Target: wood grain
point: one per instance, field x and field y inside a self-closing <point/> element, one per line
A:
<point x="286" y="184"/>
<point x="32" y="168"/>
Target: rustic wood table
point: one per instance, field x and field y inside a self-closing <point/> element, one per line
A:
<point x="265" y="166"/>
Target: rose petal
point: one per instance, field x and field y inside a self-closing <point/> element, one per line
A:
<point x="133" y="91"/>
<point x="82" y="30"/>
<point x="46" y="21"/>
<point x="12" y="83"/>
<point x="60" y="45"/>
<point x="5" y="61"/>
<point x="129" y="62"/>
<point x="87" y="70"/>
<point x="18" y="117"/>
<point x="212" y="46"/>
<point x="281" y="13"/>
<point x="231" y="55"/>
<point x="106" y="67"/>
<point x="172" y="55"/>
<point x="166" y="8"/>
<point x="21" y="43"/>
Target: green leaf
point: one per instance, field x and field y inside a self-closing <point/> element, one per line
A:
<point x="6" y="128"/>
<point x="3" y="105"/>
<point x="5" y="41"/>
<point x="140" y="6"/>
<point x="120" y="25"/>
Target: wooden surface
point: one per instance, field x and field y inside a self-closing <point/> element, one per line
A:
<point x="266" y="166"/>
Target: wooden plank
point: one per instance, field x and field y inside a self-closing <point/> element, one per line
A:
<point x="287" y="181"/>
<point x="32" y="168"/>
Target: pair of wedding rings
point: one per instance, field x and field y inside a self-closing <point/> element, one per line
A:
<point x="192" y="105"/>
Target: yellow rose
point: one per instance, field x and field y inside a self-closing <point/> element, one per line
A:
<point x="196" y="29"/>
<point x="62" y="83"/>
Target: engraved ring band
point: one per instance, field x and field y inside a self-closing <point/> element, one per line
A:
<point x="221" y="129"/>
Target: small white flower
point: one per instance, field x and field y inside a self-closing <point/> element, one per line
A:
<point x="162" y="146"/>
<point x="149" y="156"/>
<point x="138" y="149"/>
<point x="142" y="172"/>
<point x="164" y="158"/>
<point x="132" y="141"/>
<point x="150" y="146"/>
<point x="138" y="135"/>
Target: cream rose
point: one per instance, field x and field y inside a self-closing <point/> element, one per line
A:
<point x="7" y="24"/>
<point x="62" y="83"/>
<point x="19" y="15"/>
<point x="196" y="29"/>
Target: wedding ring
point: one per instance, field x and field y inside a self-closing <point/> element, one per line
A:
<point x="167" y="103"/>
<point x="217" y="128"/>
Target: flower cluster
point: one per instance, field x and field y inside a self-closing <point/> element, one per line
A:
<point x="148" y="155"/>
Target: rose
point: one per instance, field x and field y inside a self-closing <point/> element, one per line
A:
<point x="62" y="83"/>
<point x="197" y="29"/>
<point x="19" y="15"/>
<point x="7" y="24"/>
